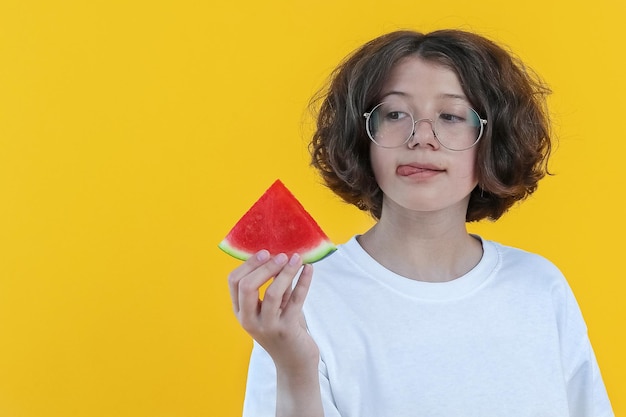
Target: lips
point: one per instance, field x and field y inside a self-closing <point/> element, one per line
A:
<point x="417" y="170"/>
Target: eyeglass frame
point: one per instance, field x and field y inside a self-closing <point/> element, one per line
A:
<point x="367" y="115"/>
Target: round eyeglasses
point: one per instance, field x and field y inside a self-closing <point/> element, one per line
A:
<point x="456" y="126"/>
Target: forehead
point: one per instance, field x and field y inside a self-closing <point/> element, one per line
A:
<point x="414" y="76"/>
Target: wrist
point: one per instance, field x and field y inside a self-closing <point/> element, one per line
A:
<point x="303" y="363"/>
<point x="298" y="392"/>
<point x="294" y="374"/>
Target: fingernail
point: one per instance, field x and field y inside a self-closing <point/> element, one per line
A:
<point x="262" y="255"/>
<point x="295" y="259"/>
<point x="280" y="259"/>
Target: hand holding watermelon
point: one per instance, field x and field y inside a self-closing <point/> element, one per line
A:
<point x="276" y="237"/>
<point x="277" y="323"/>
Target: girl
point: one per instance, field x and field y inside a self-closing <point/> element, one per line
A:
<point x="416" y="317"/>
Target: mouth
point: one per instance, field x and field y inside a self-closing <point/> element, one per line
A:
<point x="418" y="170"/>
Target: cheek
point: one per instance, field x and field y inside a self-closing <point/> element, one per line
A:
<point x="467" y="171"/>
<point x="466" y="168"/>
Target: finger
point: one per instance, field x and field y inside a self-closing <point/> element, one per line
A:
<point x="260" y="258"/>
<point x="286" y="296"/>
<point x="249" y="286"/>
<point x="280" y="289"/>
<point x="300" y="291"/>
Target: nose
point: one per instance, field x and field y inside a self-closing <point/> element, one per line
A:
<point x="424" y="134"/>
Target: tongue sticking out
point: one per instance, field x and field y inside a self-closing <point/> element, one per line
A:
<point x="405" y="170"/>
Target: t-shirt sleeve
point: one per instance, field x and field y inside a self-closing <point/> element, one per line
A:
<point x="260" y="398"/>
<point x="586" y="393"/>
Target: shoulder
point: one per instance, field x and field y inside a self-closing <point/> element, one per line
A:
<point x="538" y="281"/>
<point x="533" y="274"/>
<point x="520" y="261"/>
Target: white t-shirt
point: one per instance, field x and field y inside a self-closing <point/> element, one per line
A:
<point x="506" y="339"/>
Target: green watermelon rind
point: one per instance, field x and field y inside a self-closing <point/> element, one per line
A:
<point x="325" y="248"/>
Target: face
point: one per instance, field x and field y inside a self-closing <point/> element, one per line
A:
<point x="422" y="175"/>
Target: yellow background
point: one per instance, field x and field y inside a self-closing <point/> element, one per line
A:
<point x="133" y="134"/>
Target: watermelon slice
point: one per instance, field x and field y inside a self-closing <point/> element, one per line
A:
<point x="277" y="222"/>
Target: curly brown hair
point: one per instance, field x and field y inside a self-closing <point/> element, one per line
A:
<point x="512" y="155"/>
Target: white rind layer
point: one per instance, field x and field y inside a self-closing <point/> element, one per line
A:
<point x="319" y="252"/>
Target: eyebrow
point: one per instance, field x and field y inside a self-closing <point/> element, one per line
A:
<point x="443" y="95"/>
<point x="458" y="96"/>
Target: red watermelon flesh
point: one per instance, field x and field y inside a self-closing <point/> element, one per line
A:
<point x="279" y="223"/>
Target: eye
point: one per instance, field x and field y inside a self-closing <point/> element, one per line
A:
<point x="396" y="115"/>
<point x="452" y="118"/>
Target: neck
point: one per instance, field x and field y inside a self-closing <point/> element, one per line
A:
<point x="423" y="246"/>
